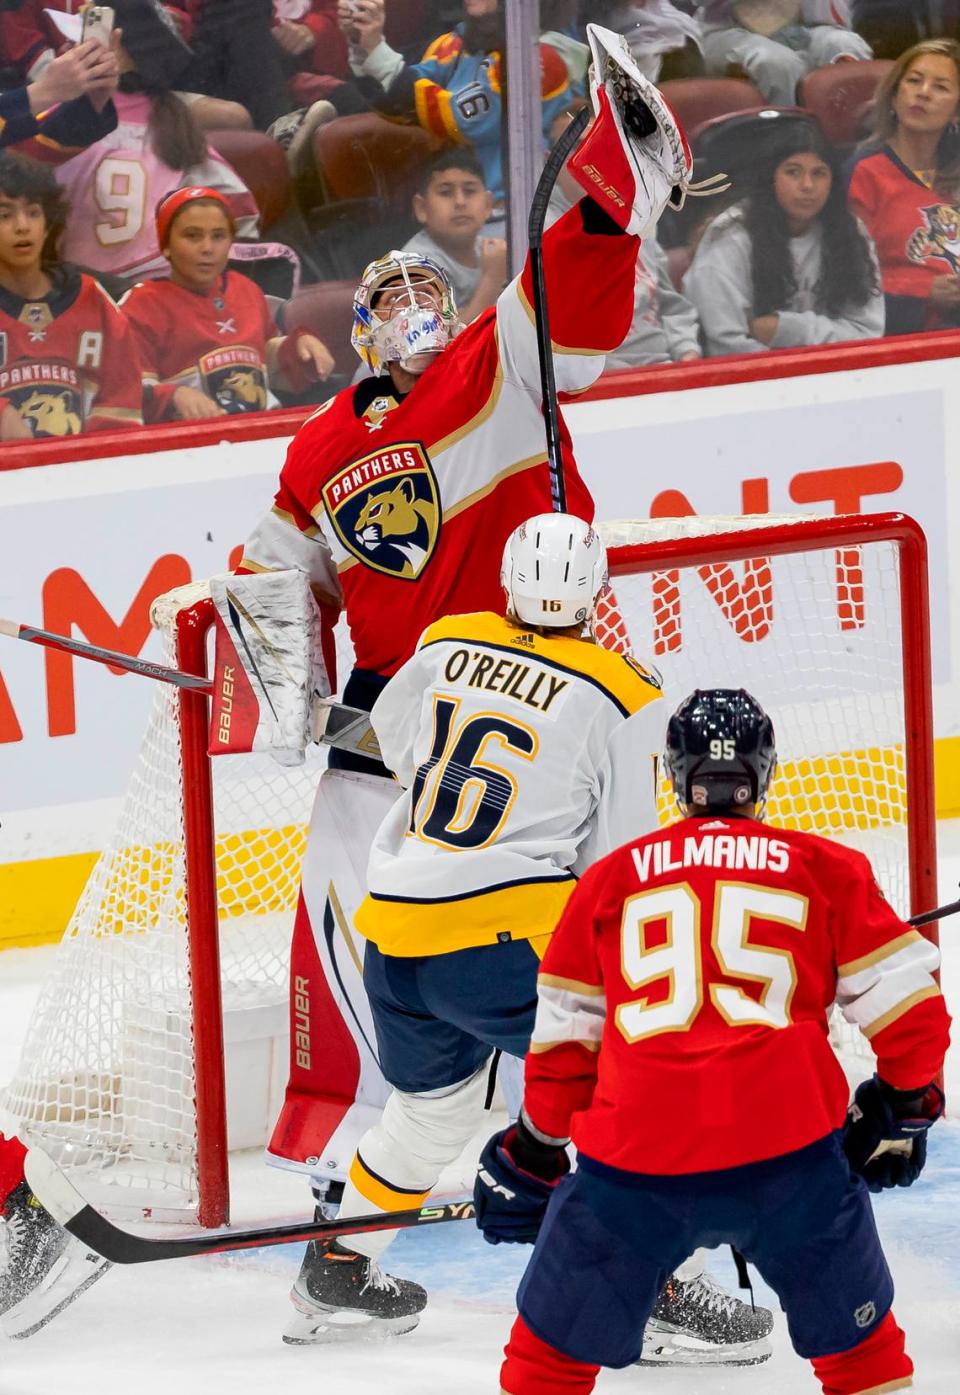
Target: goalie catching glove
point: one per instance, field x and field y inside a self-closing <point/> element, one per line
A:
<point x="516" y="1177"/>
<point x="885" y="1135"/>
<point x="634" y="159"/>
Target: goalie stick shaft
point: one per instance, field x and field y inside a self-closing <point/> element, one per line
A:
<point x="60" y="1197"/>
<point x="345" y="727"/>
<point x="548" y="382"/>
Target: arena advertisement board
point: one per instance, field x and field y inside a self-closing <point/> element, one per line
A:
<point x="88" y="543"/>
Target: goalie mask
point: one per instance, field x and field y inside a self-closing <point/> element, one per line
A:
<point x="554" y="568"/>
<point x="721" y="751"/>
<point x="416" y="328"/>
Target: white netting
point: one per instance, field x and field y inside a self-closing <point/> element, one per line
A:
<point x="106" y="1079"/>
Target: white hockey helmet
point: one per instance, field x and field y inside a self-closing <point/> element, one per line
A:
<point x="414" y="333"/>
<point x="554" y="568"/>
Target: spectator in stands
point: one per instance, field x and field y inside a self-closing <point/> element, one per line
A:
<point x="456" y="91"/>
<point x="207" y="339"/>
<point x="657" y="32"/>
<point x="789" y="265"/>
<point x="665" y="326"/>
<point x="452" y="203"/>
<point x="70" y="363"/>
<point x="776" y="42"/>
<point x="905" y="186"/>
<point x="235" y="56"/>
<point x="69" y="103"/>
<point x="114" y="187"/>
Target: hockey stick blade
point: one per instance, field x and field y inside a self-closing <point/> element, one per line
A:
<point x="60" y="1197"/>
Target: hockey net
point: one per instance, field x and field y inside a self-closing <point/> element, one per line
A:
<point x="122" y="1070"/>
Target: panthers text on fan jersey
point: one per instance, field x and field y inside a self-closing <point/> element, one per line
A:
<point x="404" y="503"/>
<point x="68" y="361"/>
<point x="526" y="756"/>
<point x="215" y="342"/>
<point x="683" y="1001"/>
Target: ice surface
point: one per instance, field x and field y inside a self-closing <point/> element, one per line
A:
<point x="212" y="1326"/>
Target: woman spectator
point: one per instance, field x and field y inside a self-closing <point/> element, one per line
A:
<point x="114" y="187"/>
<point x="207" y="339"/>
<point x="456" y="91"/>
<point x="789" y="265"/>
<point x="70" y="363"/>
<point x="905" y="187"/>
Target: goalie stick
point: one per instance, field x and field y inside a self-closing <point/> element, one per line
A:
<point x="60" y="1197"/>
<point x="347" y="728"/>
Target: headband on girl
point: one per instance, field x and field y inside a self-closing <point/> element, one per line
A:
<point x="170" y="206"/>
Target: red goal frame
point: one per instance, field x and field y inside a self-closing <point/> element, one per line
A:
<point x="775" y="539"/>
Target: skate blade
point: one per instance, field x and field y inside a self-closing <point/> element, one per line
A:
<point x="314" y="1326"/>
<point x="664" y="1345"/>
<point x="79" y="1272"/>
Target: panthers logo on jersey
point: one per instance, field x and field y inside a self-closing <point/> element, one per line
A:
<point x="940" y="239"/>
<point x="385" y="509"/>
<point x="235" y="379"/>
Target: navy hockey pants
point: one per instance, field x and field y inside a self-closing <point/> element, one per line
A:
<point x="611" y="1239"/>
<point x="439" y="1018"/>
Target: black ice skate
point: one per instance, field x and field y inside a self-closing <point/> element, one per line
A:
<point x="339" y="1294"/>
<point x="697" y="1323"/>
<point x="44" y="1268"/>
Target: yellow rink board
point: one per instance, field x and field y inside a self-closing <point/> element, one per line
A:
<point x="37" y="897"/>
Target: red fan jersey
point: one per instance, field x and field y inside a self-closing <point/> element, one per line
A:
<point x="68" y="361"/>
<point x="682" y="1016"/>
<point x="214" y="341"/>
<point x="916" y="229"/>
<point x="404" y="504"/>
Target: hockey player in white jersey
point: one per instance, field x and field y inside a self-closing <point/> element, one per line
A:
<point x="526" y="752"/>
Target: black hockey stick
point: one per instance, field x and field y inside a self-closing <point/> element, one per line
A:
<point x="941" y="913"/>
<point x="548" y="382"/>
<point x="60" y="1197"/>
<point x="347" y="728"/>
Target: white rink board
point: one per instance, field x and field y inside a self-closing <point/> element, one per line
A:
<point x="104" y="524"/>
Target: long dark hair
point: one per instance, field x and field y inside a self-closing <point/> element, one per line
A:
<point x="173" y="131"/>
<point x="847" y="272"/>
<point x="23" y="179"/>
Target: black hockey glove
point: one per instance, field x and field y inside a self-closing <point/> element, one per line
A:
<point x="515" y="1180"/>
<point x="885" y="1135"/>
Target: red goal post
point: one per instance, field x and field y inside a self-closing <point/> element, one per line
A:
<point x="187" y="912"/>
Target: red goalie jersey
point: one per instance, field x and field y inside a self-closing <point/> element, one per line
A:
<point x="68" y="362"/>
<point x="682" y="1017"/>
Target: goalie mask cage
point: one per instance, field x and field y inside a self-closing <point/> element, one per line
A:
<point x="186" y="918"/>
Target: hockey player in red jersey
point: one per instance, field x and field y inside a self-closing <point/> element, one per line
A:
<point x="207" y="339"/>
<point x="68" y="362"/>
<point x="681" y="1038"/>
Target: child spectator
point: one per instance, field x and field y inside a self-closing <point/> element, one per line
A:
<point x="665" y="326"/>
<point x="456" y="91"/>
<point x="789" y="265"/>
<point x="207" y="339"/>
<point x="776" y="42"/>
<point x="905" y="186"/>
<point x="453" y="203"/>
<point x="70" y="363"/>
<point x="113" y="187"/>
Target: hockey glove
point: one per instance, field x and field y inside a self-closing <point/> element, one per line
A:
<point x="516" y="1176"/>
<point x="885" y="1135"/>
<point x="635" y="158"/>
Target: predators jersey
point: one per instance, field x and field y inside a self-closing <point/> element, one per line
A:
<point x="525" y="756"/>
<point x="68" y="362"/>
<point x="214" y="342"/>
<point x="402" y="504"/>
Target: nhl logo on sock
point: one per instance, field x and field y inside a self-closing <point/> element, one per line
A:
<point x="865" y="1314"/>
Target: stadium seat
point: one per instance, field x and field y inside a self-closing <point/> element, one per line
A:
<point x="696" y="100"/>
<point x="326" y="310"/>
<point x="262" y="166"/>
<point x="368" y="157"/>
<point x="840" y="97"/>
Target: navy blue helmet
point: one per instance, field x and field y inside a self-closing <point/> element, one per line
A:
<point x="721" y="751"/>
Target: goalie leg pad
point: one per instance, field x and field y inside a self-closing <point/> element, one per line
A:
<point x="399" y="1160"/>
